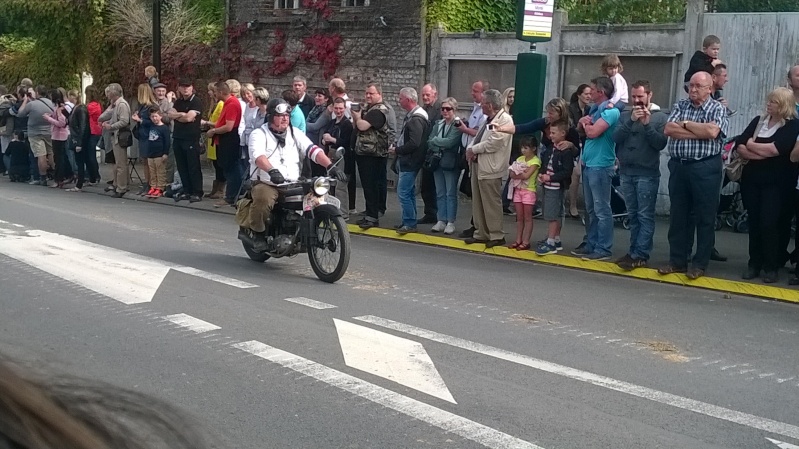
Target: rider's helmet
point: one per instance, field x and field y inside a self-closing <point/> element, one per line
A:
<point x="276" y="106"/>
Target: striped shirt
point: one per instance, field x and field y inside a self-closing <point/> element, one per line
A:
<point x="711" y="111"/>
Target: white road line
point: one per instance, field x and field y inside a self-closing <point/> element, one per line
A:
<point x="703" y="408"/>
<point x="126" y="277"/>
<point x="191" y="323"/>
<point x="442" y="419"/>
<point x="390" y="357"/>
<point x="783" y="445"/>
<point x="310" y="303"/>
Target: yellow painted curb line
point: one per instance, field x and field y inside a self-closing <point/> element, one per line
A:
<point x="709" y="283"/>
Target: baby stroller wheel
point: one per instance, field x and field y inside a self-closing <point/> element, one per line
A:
<point x="742" y="226"/>
<point x="718" y="224"/>
<point x="730" y="221"/>
<point x="625" y="223"/>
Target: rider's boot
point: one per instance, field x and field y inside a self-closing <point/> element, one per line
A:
<point x="259" y="241"/>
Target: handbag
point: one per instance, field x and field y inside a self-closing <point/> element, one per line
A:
<point x="450" y="160"/>
<point x="735" y="167"/>
<point x="432" y="160"/>
<point x="125" y="138"/>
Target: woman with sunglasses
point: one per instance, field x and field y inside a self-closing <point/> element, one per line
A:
<point x="445" y="139"/>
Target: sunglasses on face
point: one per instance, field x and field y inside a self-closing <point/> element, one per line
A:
<point x="446" y="108"/>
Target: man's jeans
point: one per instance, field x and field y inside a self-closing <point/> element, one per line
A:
<point x="596" y="189"/>
<point x="693" y="188"/>
<point x="640" y="195"/>
<point x="406" y="192"/>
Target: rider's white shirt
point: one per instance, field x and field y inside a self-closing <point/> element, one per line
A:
<point x="287" y="158"/>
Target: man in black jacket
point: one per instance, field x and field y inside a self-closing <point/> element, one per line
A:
<point x="306" y="102"/>
<point x="410" y="151"/>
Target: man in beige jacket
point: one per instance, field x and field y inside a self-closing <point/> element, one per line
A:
<point x="488" y="156"/>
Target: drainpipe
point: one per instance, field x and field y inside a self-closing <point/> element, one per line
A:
<point x="423" y="46"/>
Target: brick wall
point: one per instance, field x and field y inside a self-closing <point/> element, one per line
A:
<point x="370" y="52"/>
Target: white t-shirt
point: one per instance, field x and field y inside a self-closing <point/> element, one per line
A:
<point x="475" y="122"/>
<point x="287" y="158"/>
<point x="242" y="124"/>
<point x="620" y="92"/>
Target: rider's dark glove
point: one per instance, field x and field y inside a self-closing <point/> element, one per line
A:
<point x="276" y="177"/>
<point x="338" y="173"/>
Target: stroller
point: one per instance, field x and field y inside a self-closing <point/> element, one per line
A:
<point x="618" y="206"/>
<point x="731" y="210"/>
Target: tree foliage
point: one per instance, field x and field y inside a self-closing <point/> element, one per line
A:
<point x="500" y="15"/>
<point x="756" y="6"/>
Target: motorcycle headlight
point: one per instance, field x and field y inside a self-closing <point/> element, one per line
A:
<point x="321" y="186"/>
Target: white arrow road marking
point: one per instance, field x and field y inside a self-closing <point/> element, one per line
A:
<point x="673" y="400"/>
<point x="191" y="323"/>
<point x="397" y="359"/>
<point x="126" y="277"/>
<point x="310" y="303"/>
<point x="442" y="419"/>
<point x="783" y="445"/>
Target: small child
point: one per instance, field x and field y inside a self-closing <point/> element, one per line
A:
<point x="704" y="60"/>
<point x="556" y="180"/>
<point x="158" y="153"/>
<point x="17" y="151"/>
<point x="152" y="76"/>
<point x="611" y="66"/>
<point x="523" y="175"/>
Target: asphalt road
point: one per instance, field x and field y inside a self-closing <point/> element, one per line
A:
<point x="523" y="355"/>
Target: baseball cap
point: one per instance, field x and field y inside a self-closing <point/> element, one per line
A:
<point x="157" y="85"/>
<point x="185" y="82"/>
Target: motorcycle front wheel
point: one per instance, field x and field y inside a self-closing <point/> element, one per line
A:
<point x="330" y="255"/>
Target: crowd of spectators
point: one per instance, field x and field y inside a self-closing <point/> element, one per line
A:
<point x="609" y="134"/>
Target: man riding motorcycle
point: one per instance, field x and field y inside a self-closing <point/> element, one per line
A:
<point x="277" y="151"/>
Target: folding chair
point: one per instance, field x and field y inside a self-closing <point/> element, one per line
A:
<point x="133" y="171"/>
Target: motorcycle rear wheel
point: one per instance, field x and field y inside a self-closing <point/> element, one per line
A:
<point x="330" y="256"/>
<point x="253" y="254"/>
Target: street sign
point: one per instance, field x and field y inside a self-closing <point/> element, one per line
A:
<point x="534" y="20"/>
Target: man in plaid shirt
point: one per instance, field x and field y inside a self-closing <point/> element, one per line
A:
<point x="696" y="130"/>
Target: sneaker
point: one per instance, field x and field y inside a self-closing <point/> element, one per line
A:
<point x="545" y="249"/>
<point x="595" y="256"/>
<point x="157" y="193"/>
<point x="151" y="192"/>
<point x="581" y="250"/>
<point x="33" y="183"/>
<point x="194" y="199"/>
<point x="624" y="259"/>
<point x="449" y="229"/>
<point x="354" y="212"/>
<point x="628" y="263"/>
<point x="507" y="211"/>
<point x="559" y="245"/>
<point x="402" y="230"/>
<point x="439" y="227"/>
<point x="537" y="212"/>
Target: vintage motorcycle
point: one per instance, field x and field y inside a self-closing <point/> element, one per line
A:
<point x="306" y="219"/>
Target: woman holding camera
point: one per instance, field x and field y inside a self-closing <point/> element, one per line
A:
<point x="445" y="139"/>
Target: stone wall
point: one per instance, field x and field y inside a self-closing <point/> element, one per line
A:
<point x="381" y="43"/>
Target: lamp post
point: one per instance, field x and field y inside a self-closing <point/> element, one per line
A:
<point x="157" y="35"/>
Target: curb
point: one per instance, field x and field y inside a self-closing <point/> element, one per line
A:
<point x="649" y="274"/>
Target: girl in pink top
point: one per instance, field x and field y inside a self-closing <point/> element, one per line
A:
<point x="59" y="133"/>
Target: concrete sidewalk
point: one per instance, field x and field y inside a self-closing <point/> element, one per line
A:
<point x="721" y="276"/>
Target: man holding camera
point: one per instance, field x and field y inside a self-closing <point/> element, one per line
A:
<point x="639" y="139"/>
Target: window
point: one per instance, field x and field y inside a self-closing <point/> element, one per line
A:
<point x="287" y="4"/>
<point x="351" y="3"/>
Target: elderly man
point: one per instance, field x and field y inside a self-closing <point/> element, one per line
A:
<point x="186" y="114"/>
<point x="305" y="102"/>
<point x="598" y="158"/>
<point x="34" y="107"/>
<point x="120" y="119"/>
<point x="696" y="129"/>
<point x="488" y="155"/>
<point x="639" y="138"/>
<point x="793" y="83"/>
<point x="371" y="151"/>
<point x="410" y="151"/>
<point x="432" y="107"/>
<point x="469" y="129"/>
<point x="276" y="156"/>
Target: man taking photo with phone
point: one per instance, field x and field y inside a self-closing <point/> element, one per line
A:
<point x="639" y="139"/>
